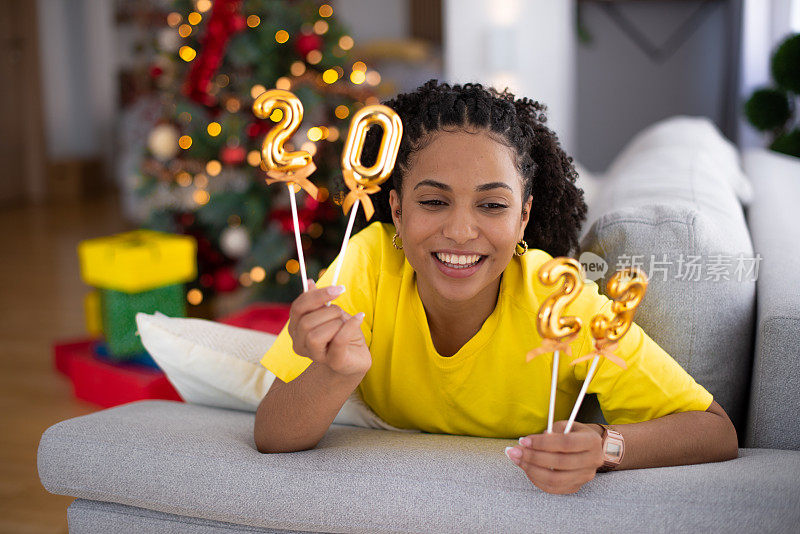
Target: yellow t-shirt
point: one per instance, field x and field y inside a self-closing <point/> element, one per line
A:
<point x="487" y="388"/>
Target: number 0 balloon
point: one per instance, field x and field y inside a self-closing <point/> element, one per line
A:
<point x="364" y="181"/>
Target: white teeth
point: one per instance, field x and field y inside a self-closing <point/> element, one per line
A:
<point x="455" y="259"/>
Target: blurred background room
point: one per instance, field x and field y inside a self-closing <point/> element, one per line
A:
<point x="120" y="115"/>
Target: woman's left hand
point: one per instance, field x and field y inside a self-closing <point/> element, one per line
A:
<point x="560" y="463"/>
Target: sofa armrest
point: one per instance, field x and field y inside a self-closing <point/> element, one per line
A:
<point x="775" y="230"/>
<point x="196" y="461"/>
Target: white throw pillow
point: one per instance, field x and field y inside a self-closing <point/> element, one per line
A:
<point x="219" y="365"/>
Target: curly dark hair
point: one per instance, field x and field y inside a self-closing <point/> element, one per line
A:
<point x="558" y="208"/>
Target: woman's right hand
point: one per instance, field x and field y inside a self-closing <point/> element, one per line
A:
<point x="328" y="334"/>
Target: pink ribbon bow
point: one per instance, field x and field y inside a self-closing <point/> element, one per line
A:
<point x="604" y="349"/>
<point x="550" y="345"/>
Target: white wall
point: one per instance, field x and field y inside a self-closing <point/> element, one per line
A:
<point x="526" y="45"/>
<point x="370" y="20"/>
<point x="78" y="77"/>
<point x="388" y="20"/>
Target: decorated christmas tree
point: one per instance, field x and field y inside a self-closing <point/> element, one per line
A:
<point x="201" y="174"/>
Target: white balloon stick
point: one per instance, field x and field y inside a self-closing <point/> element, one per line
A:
<point x="553" y="382"/>
<point x="297" y="239"/>
<point x="578" y="402"/>
<point x="350" y="222"/>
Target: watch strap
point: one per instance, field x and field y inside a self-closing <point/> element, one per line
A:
<point x="613" y="449"/>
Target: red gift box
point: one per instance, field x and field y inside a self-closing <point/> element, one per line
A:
<point x="268" y="318"/>
<point x="108" y="383"/>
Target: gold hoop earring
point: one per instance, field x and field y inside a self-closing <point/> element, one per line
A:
<point x="521" y="248"/>
<point x="394" y="242"/>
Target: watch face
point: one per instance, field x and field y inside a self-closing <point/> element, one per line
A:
<point x="613" y="450"/>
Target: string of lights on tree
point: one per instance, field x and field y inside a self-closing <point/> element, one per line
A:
<point x="201" y="176"/>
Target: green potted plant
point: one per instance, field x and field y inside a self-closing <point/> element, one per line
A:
<point x="773" y="109"/>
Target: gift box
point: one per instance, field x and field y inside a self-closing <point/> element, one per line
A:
<point x="99" y="378"/>
<point x="268" y="318"/>
<point x="100" y="349"/>
<point x="138" y="261"/>
<point x="92" y="313"/>
<point x="119" y="315"/>
<point x="107" y="383"/>
<point x="140" y="271"/>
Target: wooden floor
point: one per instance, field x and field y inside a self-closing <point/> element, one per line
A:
<point x="41" y="302"/>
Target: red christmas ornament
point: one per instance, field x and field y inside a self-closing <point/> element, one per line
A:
<point x="239" y="24"/>
<point x="232" y="155"/>
<point x="224" y="280"/>
<point x="318" y="211"/>
<point x="257" y="129"/>
<point x="209" y="101"/>
<point x="311" y="211"/>
<point x="204" y="248"/>
<point x="284" y="219"/>
<point x="215" y="257"/>
<point x="156" y="71"/>
<point x="186" y="220"/>
<point x="306" y="42"/>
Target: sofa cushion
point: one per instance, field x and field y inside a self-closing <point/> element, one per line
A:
<point x="201" y="462"/>
<point x="669" y="206"/>
<point x="775" y="386"/>
<point x="97" y="517"/>
<point x="682" y="137"/>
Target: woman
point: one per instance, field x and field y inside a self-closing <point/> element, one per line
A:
<point x="438" y="300"/>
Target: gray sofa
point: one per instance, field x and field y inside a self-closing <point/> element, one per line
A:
<point x="159" y="466"/>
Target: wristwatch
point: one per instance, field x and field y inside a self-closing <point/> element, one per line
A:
<point x="613" y="449"/>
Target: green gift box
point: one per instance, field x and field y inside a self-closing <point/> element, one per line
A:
<point x="119" y="311"/>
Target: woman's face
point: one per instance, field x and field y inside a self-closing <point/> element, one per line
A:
<point x="461" y="213"/>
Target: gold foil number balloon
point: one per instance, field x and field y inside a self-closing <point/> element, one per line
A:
<point x="556" y="330"/>
<point x="282" y="166"/>
<point x="364" y="181"/>
<point x="627" y="289"/>
<point x="292" y="168"/>
<point x="551" y="323"/>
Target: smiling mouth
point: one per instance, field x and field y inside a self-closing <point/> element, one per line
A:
<point x="458" y="261"/>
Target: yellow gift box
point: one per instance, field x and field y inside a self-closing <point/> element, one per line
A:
<point x="138" y="261"/>
<point x="92" y="313"/>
